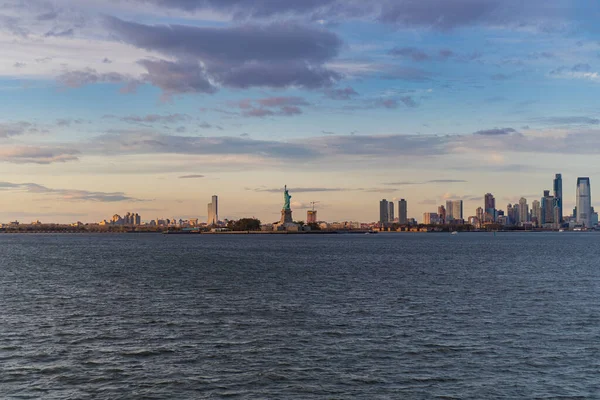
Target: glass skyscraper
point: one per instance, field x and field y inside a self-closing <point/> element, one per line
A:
<point x="558" y="195"/>
<point x="584" y="202"/>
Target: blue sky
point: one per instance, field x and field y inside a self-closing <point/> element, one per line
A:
<point x="106" y="105"/>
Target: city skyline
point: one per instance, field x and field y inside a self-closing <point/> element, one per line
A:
<point x="155" y="106"/>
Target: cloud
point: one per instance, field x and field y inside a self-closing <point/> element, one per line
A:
<point x="427" y="14"/>
<point x="64" y="33"/>
<point x="38" y="155"/>
<point x="282" y="101"/>
<point x="274" y="55"/>
<point x="569" y="120"/>
<point x="578" y="71"/>
<point x="67" y="194"/>
<point x="8" y="129"/>
<point x="88" y="76"/>
<point x="156" y="118"/>
<point x="388" y="103"/>
<point x="410" y="52"/>
<point x="500" y="77"/>
<point x="406" y="74"/>
<point x="408" y="101"/>
<point x="191" y="177"/>
<point x="346" y="93"/>
<point x="179" y="77"/>
<point x="271" y="106"/>
<point x="68" y="122"/>
<point x="445" y="54"/>
<point x="495" y="132"/>
<point x="247" y="8"/>
<point x="148" y="142"/>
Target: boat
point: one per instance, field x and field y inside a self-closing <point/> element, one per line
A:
<point x="561" y="230"/>
<point x="454" y="233"/>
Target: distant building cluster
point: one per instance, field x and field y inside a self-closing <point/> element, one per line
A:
<point x="547" y="213"/>
<point x="130" y="219"/>
<point x="386" y="212"/>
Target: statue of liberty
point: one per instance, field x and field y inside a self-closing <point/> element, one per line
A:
<point x="286" y="199"/>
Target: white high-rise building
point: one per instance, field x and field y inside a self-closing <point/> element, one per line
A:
<point x="213" y="211"/>
<point x="584" y="202"/>
<point x="523" y="211"/>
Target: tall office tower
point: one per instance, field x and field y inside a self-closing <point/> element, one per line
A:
<point x="490" y="205"/>
<point x="584" y="202"/>
<point x="558" y="194"/>
<point x="536" y="212"/>
<point x="311" y="217"/>
<point x="384" y="209"/>
<point x="454" y="210"/>
<point x="510" y="213"/>
<point x="547" y="208"/>
<point x="442" y="214"/>
<point x="213" y="211"/>
<point x="479" y="214"/>
<point x="523" y="211"/>
<point x="402" y="212"/>
<point x="449" y="211"/>
<point x="391" y="212"/>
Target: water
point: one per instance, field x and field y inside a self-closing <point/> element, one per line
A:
<point x="383" y="316"/>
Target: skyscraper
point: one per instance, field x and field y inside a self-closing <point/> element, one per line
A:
<point x="584" y="202"/>
<point x="454" y="210"/>
<point x="547" y="209"/>
<point x="490" y="206"/>
<point x="442" y="214"/>
<point x="391" y="212"/>
<point x="213" y="211"/>
<point x="558" y="195"/>
<point x="536" y="212"/>
<point x="402" y="212"/>
<point x="383" y="211"/>
<point x="479" y="214"/>
<point x="523" y="211"/>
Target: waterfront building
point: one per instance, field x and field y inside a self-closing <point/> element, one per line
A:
<point x="584" y="202"/>
<point x="311" y="217"/>
<point x="490" y="206"/>
<point x="391" y="212"/>
<point x="442" y="214"/>
<point x="558" y="195"/>
<point x="523" y="211"/>
<point x="384" y="210"/>
<point x="430" y="218"/>
<point x="479" y="214"/>
<point x="594" y="221"/>
<point x="454" y="210"/>
<point x="547" y="209"/>
<point x="536" y="213"/>
<point x="510" y="214"/>
<point x="402" y="212"/>
<point x="213" y="211"/>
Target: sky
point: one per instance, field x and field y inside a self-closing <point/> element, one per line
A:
<point x="153" y="106"/>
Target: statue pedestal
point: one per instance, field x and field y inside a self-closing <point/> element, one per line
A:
<point x="286" y="217"/>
